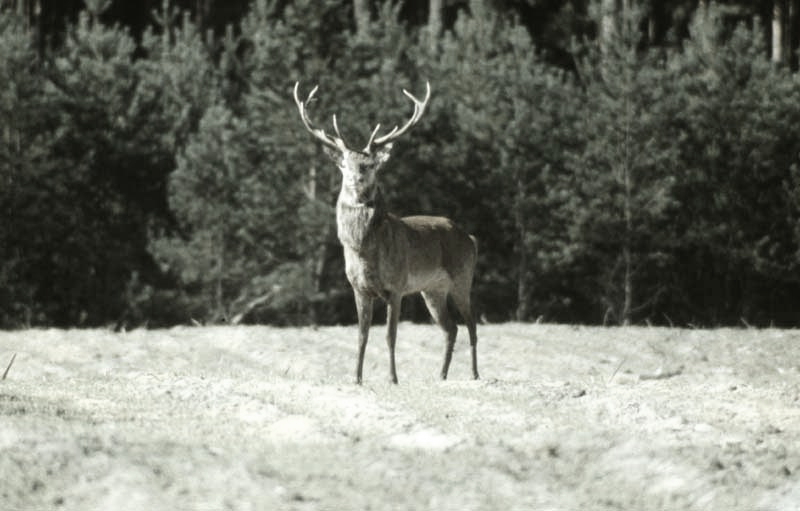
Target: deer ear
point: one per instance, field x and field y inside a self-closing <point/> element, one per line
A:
<point x="383" y="154"/>
<point x="333" y="154"/>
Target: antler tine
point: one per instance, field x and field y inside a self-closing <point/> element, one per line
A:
<point x="372" y="137"/>
<point x="336" y="127"/>
<point x="310" y="94"/>
<point x="340" y="139"/>
<point x="319" y="134"/>
<point x="419" y="109"/>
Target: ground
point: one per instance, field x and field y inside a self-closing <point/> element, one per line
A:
<point x="563" y="418"/>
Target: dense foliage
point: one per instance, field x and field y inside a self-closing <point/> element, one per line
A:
<point x="160" y="174"/>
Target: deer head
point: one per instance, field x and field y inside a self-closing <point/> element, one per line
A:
<point x="359" y="167"/>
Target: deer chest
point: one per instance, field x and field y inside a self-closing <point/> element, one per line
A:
<point x="374" y="248"/>
<point x="376" y="266"/>
<point x="363" y="273"/>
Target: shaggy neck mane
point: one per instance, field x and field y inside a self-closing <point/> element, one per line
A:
<point x="355" y="220"/>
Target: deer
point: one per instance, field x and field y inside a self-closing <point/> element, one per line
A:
<point x="388" y="257"/>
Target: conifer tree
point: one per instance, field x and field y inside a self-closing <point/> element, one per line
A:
<point x="624" y="172"/>
<point x="102" y="180"/>
<point x="249" y="190"/>
<point x="736" y="162"/>
<point x="24" y="167"/>
<point x="508" y="125"/>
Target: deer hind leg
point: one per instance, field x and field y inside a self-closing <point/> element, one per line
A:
<point x="462" y="303"/>
<point x="437" y="305"/>
<point x="364" y="309"/>
<point x="392" y="315"/>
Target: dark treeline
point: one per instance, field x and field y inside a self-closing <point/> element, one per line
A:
<point x="619" y="161"/>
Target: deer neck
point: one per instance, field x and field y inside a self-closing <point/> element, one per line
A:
<point x="358" y="217"/>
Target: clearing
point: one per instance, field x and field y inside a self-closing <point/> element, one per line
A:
<point x="564" y="418"/>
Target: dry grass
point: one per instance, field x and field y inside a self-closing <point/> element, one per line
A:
<point x="564" y="418"/>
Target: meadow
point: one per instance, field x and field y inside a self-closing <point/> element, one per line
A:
<point x="563" y="418"/>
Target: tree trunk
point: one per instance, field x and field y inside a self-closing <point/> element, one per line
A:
<point x="435" y="23"/>
<point x="651" y="26"/>
<point x="202" y="11"/>
<point x="24" y="9"/>
<point x="317" y="263"/>
<point x="627" y="239"/>
<point x="778" y="18"/>
<point x="30" y="11"/>
<point x="219" y="305"/>
<point x="627" y="303"/>
<point x="608" y="23"/>
<point x="703" y="13"/>
<point x="361" y="14"/>
<point x="790" y="34"/>
<point x="627" y="256"/>
<point x="522" y="256"/>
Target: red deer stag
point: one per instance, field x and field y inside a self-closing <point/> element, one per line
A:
<point x="389" y="257"/>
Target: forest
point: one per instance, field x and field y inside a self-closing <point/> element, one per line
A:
<point x="619" y="161"/>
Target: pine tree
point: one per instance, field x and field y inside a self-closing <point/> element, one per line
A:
<point x="257" y="211"/>
<point x="740" y="146"/>
<point x="100" y="177"/>
<point x="511" y="123"/>
<point x="624" y="173"/>
<point x="24" y="187"/>
<point x="218" y="203"/>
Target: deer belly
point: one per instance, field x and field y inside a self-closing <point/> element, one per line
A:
<point x="435" y="279"/>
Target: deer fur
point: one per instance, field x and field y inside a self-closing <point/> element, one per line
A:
<point x="388" y="257"/>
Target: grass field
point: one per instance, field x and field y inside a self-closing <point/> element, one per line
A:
<point x="564" y="418"/>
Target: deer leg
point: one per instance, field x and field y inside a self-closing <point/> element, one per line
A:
<point x="392" y="315"/>
<point x="462" y="303"/>
<point x="437" y="305"/>
<point x="364" y="309"/>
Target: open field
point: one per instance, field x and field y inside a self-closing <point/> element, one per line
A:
<point x="564" y="418"/>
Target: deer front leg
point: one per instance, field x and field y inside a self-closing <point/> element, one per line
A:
<point x="392" y="315"/>
<point x="364" y="310"/>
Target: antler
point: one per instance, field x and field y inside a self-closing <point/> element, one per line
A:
<point x="419" y="108"/>
<point x="336" y="142"/>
